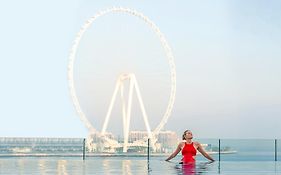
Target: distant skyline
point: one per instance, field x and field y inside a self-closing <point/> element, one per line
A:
<point x="227" y="56"/>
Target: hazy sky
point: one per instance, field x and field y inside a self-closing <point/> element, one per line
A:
<point x="227" y="55"/>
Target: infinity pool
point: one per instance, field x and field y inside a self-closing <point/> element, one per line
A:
<point x="130" y="165"/>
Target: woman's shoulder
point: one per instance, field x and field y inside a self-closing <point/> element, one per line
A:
<point x="182" y="142"/>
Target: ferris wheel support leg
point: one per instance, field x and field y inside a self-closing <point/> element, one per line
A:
<point x="110" y="107"/>
<point x="123" y="107"/>
<point x="142" y="108"/>
<point x="128" y="115"/>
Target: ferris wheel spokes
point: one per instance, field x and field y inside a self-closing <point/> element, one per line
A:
<point x="126" y="107"/>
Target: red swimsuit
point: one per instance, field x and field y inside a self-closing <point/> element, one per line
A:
<point x="188" y="153"/>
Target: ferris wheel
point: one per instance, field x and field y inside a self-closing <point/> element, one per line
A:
<point x="130" y="77"/>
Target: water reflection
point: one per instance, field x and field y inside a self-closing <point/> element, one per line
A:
<point x="106" y="166"/>
<point x="42" y="166"/>
<point x="61" y="167"/>
<point x="130" y="166"/>
<point x="219" y="167"/>
<point x="20" y="166"/>
<point x="193" y="168"/>
<point x="126" y="167"/>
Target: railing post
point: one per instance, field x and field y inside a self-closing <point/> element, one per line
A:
<point x="148" y="145"/>
<point x="275" y="146"/>
<point x="84" y="148"/>
<point x="219" y="150"/>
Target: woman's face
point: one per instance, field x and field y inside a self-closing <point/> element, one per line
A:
<point x="188" y="135"/>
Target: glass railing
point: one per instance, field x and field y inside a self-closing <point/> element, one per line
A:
<point x="241" y="149"/>
<point x="247" y="149"/>
<point x="278" y="149"/>
<point x="211" y="146"/>
<point x="219" y="149"/>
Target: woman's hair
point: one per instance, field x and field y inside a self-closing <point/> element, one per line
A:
<point x="183" y="136"/>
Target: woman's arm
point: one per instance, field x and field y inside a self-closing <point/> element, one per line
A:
<point x="174" y="153"/>
<point x="203" y="152"/>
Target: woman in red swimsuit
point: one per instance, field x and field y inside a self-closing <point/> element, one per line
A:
<point x="189" y="149"/>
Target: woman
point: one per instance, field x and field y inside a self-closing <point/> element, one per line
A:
<point x="189" y="149"/>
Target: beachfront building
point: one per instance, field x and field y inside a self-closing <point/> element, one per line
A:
<point x="39" y="145"/>
<point x="166" y="140"/>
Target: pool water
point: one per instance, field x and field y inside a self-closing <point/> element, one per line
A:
<point x="130" y="165"/>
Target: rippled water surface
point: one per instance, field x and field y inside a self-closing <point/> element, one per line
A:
<point x="129" y="165"/>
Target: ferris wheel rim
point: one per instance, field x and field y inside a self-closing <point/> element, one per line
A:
<point x="165" y="45"/>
